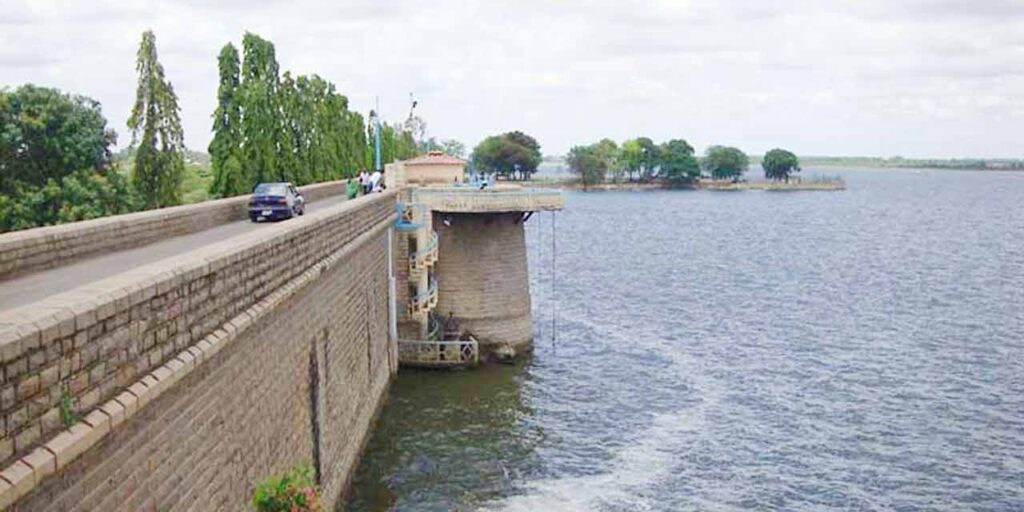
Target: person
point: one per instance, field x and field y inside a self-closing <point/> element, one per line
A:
<point x="451" y="328"/>
<point x="364" y="181"/>
<point x="351" y="189"/>
<point x="375" y="180"/>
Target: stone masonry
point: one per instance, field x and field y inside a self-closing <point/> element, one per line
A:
<point x="191" y="379"/>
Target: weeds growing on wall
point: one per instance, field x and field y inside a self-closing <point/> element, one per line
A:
<point x="295" y="491"/>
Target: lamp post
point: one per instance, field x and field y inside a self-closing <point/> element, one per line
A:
<point x="375" y="123"/>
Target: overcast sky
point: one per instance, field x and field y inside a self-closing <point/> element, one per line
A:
<point x="926" y="78"/>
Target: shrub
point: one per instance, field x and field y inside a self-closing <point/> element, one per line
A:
<point x="296" y="491"/>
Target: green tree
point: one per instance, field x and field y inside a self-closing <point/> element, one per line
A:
<point x="724" y="162"/>
<point x="513" y="154"/>
<point x="156" y="132"/>
<point x="608" y="151"/>
<point x="778" y="164"/>
<point x="677" y="163"/>
<point x="46" y="135"/>
<point x="226" y="146"/>
<point x="651" y="158"/>
<point x="260" y="115"/>
<point x="631" y="157"/>
<point x="589" y="163"/>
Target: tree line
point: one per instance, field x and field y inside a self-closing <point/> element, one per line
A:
<point x="270" y="126"/>
<point x="56" y="162"/>
<point x="673" y="161"/>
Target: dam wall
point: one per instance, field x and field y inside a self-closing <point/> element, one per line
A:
<point x="41" y="248"/>
<point x="180" y="384"/>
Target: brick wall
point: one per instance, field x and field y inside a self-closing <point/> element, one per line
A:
<point x="313" y="289"/>
<point x="47" y="247"/>
<point x="482" y="276"/>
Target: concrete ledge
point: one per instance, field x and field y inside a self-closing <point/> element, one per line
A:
<point x="51" y="246"/>
<point x="23" y="475"/>
<point x="504" y="198"/>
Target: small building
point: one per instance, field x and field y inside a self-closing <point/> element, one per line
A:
<point x="434" y="167"/>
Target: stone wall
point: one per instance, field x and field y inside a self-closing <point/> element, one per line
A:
<point x="192" y="378"/>
<point x="482" y="277"/>
<point x="47" y="247"/>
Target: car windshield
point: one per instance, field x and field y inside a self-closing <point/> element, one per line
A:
<point x="271" y="189"/>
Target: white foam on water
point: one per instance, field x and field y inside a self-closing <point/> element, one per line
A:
<point x="649" y="459"/>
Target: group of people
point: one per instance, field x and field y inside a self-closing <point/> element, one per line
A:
<point x="366" y="183"/>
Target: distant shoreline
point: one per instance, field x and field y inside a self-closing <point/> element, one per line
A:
<point x="830" y="184"/>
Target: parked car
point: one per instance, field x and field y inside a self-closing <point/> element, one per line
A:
<point x="275" y="201"/>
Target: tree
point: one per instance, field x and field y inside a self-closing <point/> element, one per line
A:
<point x="588" y="163"/>
<point x="778" y="164"/>
<point x="261" y="117"/>
<point x="724" y="162"/>
<point x="631" y="157"/>
<point x="156" y="132"/>
<point x="650" y="159"/>
<point x="508" y="154"/>
<point x="608" y="151"/>
<point x="454" y="148"/>
<point x="226" y="146"/>
<point x="677" y="163"/>
<point x="46" y="135"/>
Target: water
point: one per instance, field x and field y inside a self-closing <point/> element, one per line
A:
<point x="857" y="350"/>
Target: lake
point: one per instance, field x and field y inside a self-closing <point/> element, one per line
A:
<point x="700" y="350"/>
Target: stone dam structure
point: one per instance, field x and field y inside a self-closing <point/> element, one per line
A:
<point x="171" y="359"/>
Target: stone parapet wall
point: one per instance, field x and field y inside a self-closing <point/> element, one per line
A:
<point x="47" y="247"/>
<point x="127" y="335"/>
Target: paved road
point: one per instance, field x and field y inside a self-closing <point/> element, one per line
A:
<point x="39" y="285"/>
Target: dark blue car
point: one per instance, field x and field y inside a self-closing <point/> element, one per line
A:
<point x="275" y="201"/>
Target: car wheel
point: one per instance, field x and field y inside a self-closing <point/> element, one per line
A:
<point x="254" y="218"/>
<point x="302" y="210"/>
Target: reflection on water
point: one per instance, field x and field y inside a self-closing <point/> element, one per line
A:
<point x="856" y="350"/>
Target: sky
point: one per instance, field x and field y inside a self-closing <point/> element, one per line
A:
<point x="915" y="78"/>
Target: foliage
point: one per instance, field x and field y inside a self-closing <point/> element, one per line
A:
<point x="159" y="162"/>
<point x="261" y="124"/>
<point x="608" y="152"/>
<point x="677" y="163"/>
<point x="196" y="185"/>
<point x="631" y="157"/>
<point x="508" y="154"/>
<point x="778" y="164"/>
<point x="226" y="146"/>
<point x="55" y="160"/>
<point x="589" y="163"/>
<point x="271" y="127"/>
<point x="650" y="158"/>
<point x="296" y="491"/>
<point x="87" y="194"/>
<point x="46" y="135"/>
<point x="449" y="147"/>
<point x="67" y="410"/>
<point x="724" y="162"/>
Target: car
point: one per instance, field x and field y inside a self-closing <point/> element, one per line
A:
<point x="275" y="201"/>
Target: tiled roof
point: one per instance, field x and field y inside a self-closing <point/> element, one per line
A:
<point x="435" y="158"/>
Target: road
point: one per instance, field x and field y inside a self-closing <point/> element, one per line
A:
<point x="36" y="286"/>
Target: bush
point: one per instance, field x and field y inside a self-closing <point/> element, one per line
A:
<point x="296" y="491"/>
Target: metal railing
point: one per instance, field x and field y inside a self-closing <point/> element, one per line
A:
<point x="438" y="354"/>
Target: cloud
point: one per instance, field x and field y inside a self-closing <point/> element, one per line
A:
<point x="845" y="77"/>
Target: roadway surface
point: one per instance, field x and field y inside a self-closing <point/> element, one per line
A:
<point x="29" y="288"/>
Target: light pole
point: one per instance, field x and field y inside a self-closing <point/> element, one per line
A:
<point x="375" y="123"/>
